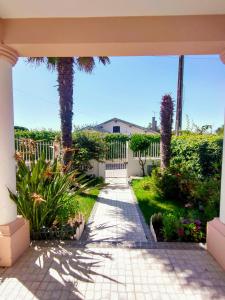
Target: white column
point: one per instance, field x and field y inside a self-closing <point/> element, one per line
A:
<point x="222" y="192"/>
<point x="8" y="212"/>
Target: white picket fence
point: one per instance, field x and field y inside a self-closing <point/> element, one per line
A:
<point x="117" y="152"/>
<point x="152" y="152"/>
<point x="121" y="162"/>
<point x="30" y="149"/>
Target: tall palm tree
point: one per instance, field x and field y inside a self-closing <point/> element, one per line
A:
<point x="166" y="117"/>
<point x="178" y="124"/>
<point x="65" y="67"/>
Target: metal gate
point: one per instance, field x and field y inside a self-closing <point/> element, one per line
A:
<point x="116" y="160"/>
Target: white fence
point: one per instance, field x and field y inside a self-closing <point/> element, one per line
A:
<point x="118" y="159"/>
<point x="122" y="162"/>
<point x="153" y="151"/>
<point x="116" y="150"/>
<point x="30" y="149"/>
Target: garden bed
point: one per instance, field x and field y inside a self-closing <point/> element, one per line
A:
<point x="181" y="219"/>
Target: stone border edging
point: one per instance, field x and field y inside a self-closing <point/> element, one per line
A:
<point x="145" y="226"/>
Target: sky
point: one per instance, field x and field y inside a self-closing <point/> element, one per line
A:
<point x="130" y="88"/>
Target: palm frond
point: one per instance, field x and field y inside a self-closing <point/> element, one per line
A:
<point x="50" y="62"/>
<point x="104" y="60"/>
<point x="85" y="64"/>
<point x="36" y="60"/>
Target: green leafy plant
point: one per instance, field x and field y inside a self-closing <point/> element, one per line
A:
<point x="111" y="137"/>
<point x="190" y="231"/>
<point x="45" y="195"/>
<point x="36" y="135"/>
<point x="170" y="227"/>
<point x="177" y="228"/>
<point x="198" y="154"/>
<point x="87" y="146"/>
<point x="139" y="143"/>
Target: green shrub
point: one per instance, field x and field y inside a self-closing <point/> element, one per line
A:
<point x="190" y="230"/>
<point x="177" y="228"/>
<point x="88" y="146"/>
<point x="45" y="195"/>
<point x="111" y="137"/>
<point x="164" y="183"/>
<point x="37" y="135"/>
<point x="140" y="143"/>
<point x="21" y="128"/>
<point x="170" y="227"/>
<point x="198" y="154"/>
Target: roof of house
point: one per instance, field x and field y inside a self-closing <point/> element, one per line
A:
<point x="98" y="127"/>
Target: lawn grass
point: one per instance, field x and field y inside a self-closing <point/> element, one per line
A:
<point x="150" y="203"/>
<point x="86" y="201"/>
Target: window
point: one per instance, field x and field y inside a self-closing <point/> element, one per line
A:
<point x="116" y="129"/>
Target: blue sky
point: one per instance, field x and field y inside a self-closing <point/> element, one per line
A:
<point x="129" y="88"/>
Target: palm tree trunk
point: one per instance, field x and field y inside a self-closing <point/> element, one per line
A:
<point x="166" y="116"/>
<point x="178" y="125"/>
<point x="65" y="88"/>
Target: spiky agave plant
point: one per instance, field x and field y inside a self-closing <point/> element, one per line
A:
<point x="166" y="118"/>
<point x="45" y="194"/>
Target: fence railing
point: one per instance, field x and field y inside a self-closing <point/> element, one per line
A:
<point x="30" y="149"/>
<point x="152" y="152"/>
<point x="116" y="150"/>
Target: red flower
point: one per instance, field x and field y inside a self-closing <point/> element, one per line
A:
<point x="180" y="232"/>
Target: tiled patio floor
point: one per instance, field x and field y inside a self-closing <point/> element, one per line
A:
<point x="113" y="273"/>
<point x="99" y="268"/>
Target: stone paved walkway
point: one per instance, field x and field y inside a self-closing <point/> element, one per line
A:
<point x="115" y="216"/>
<point x="92" y="271"/>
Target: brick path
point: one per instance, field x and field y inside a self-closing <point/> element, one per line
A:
<point x="115" y="217"/>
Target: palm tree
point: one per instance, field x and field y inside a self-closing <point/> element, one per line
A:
<point x="178" y="124"/>
<point x="65" y="67"/>
<point x="166" y="117"/>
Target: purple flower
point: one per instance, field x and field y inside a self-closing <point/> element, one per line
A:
<point x="186" y="221"/>
<point x="198" y="222"/>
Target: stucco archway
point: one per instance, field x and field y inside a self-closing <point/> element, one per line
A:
<point x="172" y="31"/>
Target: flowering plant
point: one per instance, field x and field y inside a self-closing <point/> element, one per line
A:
<point x="190" y="230"/>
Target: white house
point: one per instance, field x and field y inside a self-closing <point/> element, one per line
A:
<point x="116" y="125"/>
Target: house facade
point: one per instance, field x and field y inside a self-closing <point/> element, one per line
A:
<point x="116" y="125"/>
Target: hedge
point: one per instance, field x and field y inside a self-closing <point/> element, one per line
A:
<point x="200" y="154"/>
<point x="37" y="135"/>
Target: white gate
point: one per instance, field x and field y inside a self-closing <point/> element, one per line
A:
<point x="116" y="160"/>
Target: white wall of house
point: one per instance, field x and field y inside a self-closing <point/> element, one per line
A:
<point x="124" y="128"/>
<point x="133" y="167"/>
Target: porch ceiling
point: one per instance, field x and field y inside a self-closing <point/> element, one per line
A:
<point x="115" y="36"/>
<point x="105" y="8"/>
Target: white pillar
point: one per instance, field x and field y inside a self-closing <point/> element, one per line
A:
<point x="8" y="213"/>
<point x="222" y="193"/>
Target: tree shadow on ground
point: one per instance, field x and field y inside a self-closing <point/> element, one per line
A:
<point x="53" y="273"/>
